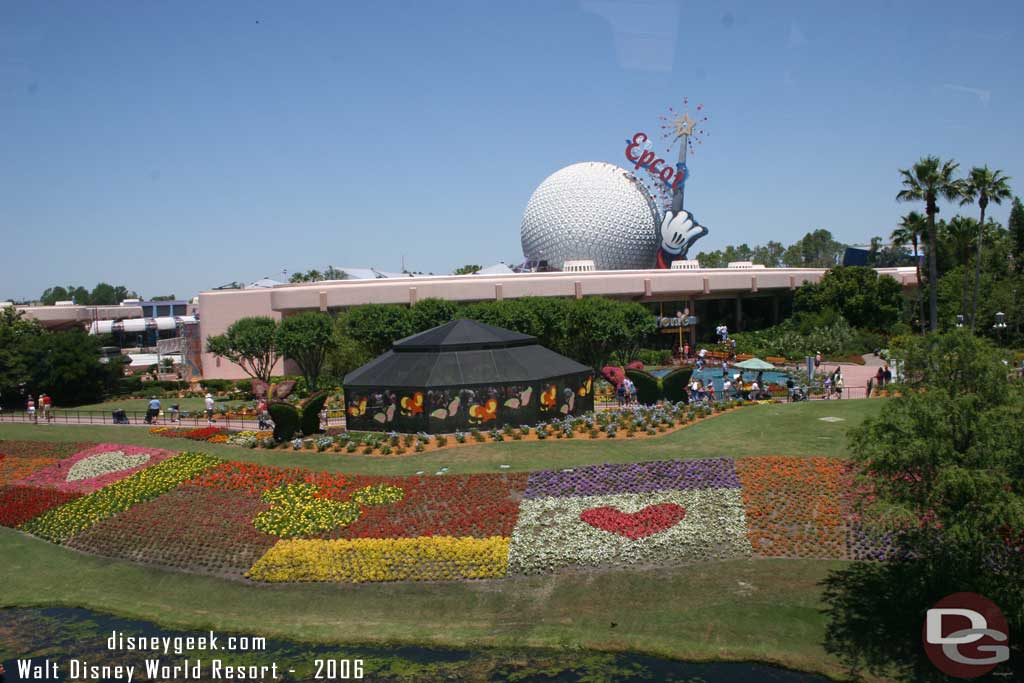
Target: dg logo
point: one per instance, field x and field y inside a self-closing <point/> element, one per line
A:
<point x="965" y="635"/>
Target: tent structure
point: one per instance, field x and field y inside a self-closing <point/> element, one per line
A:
<point x="465" y="374"/>
<point x="755" y="364"/>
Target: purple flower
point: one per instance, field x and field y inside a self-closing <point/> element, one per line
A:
<point x="594" y="480"/>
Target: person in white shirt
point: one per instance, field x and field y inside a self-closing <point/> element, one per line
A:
<point x="209" y="409"/>
<point x="726" y="389"/>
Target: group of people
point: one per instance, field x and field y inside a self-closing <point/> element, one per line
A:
<point x="625" y="393"/>
<point x="883" y="376"/>
<point x="44" y="405"/>
<point x="153" y="410"/>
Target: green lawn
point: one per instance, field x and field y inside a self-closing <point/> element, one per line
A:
<point x="771" y="429"/>
<point x="190" y="403"/>
<point x="749" y="610"/>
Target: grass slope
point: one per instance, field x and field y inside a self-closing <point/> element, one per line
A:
<point x="750" y="610"/>
<point x="771" y="429"/>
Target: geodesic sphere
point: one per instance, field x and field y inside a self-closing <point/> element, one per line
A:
<point x="592" y="210"/>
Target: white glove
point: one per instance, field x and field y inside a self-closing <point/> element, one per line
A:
<point x="679" y="231"/>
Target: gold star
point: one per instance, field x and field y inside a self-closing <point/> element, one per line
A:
<point x="684" y="125"/>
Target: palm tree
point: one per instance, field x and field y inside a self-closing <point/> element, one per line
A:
<point x="912" y="229"/>
<point x="962" y="233"/>
<point x="929" y="180"/>
<point x="983" y="185"/>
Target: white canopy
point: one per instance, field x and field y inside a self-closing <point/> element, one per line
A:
<point x="141" y="324"/>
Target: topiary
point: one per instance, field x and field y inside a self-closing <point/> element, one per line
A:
<point x="674" y="385"/>
<point x="310" y="418"/>
<point x="647" y="390"/>
<point x="286" y="420"/>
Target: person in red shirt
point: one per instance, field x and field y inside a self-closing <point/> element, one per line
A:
<point x="47" y="404"/>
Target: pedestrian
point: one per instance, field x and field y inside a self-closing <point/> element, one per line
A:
<point x="153" y="410"/>
<point x="817" y="361"/>
<point x="620" y="392"/>
<point x="711" y="390"/>
<point x="694" y="387"/>
<point x="760" y="377"/>
<point x="686" y="352"/>
<point x="888" y="374"/>
<point x="208" y="404"/>
<point x="30" y="408"/>
<point x="47" y="402"/>
<point x="880" y="377"/>
<point x="175" y="412"/>
<point x="755" y="391"/>
<point x="725" y="367"/>
<point x="261" y="412"/>
<point x="839" y="385"/>
<point x="726" y="389"/>
<point x="732" y="349"/>
<point x="828" y="388"/>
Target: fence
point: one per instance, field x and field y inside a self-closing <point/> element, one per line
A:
<point x="138" y="417"/>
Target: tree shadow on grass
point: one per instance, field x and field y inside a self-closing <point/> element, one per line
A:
<point x="876" y="612"/>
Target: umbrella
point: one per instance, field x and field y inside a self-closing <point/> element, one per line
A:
<point x="755" y="364"/>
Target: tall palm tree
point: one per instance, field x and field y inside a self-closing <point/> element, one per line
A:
<point x="912" y="229"/>
<point x="983" y="186"/>
<point x="962" y="233"/>
<point x="929" y="180"/>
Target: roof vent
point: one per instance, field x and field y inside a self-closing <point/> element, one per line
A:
<point x="686" y="264"/>
<point x="740" y="265"/>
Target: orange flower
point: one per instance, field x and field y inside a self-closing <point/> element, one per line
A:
<point x="355" y="410"/>
<point x="412" y="405"/>
<point x="549" y="397"/>
<point x="485" y="412"/>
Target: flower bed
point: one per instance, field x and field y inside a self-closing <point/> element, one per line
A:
<point x="96" y="467"/>
<point x="246" y="476"/>
<point x="794" y="506"/>
<point x="22" y="458"/>
<point x="200" y="434"/>
<point x="19" y="504"/>
<point x="212" y="531"/>
<point x="386" y="559"/>
<point x="634" y="478"/>
<point x="60" y="524"/>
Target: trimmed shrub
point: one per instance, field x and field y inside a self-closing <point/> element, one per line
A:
<point x="286" y="420"/>
<point x="647" y="390"/>
<point x="673" y="385"/>
<point x="310" y="419"/>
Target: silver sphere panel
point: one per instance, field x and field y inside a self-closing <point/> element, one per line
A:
<point x="592" y="210"/>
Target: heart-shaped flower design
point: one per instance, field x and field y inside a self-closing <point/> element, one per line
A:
<point x="105" y="463"/>
<point x="634" y="525"/>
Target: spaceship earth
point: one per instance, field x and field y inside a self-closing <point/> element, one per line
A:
<point x="591" y="210"/>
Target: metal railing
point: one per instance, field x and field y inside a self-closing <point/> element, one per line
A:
<point x="186" y="419"/>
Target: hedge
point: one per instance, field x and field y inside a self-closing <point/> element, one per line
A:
<point x="647" y="390"/>
<point x="286" y="420"/>
<point x="310" y="419"/>
<point x="674" y="384"/>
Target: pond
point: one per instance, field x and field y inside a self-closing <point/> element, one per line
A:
<point x="65" y="635"/>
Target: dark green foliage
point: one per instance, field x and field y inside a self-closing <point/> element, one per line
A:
<point x="1016" y="227"/>
<point x="858" y="293"/>
<point x="286" y="420"/>
<point x="648" y="391"/>
<point x="102" y="295"/>
<point x="305" y="338"/>
<point x="674" y="385"/>
<point x="376" y="326"/>
<point x="310" y="415"/>
<point x="431" y="312"/>
<point x="946" y="466"/>
<point x="250" y="343"/>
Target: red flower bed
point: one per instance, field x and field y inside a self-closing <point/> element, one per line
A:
<point x="41" y="449"/>
<point x="640" y="524"/>
<point x="478" y="505"/>
<point x="18" y="504"/>
<point x="201" y="434"/>
<point x="255" y="479"/>
<point x="200" y="529"/>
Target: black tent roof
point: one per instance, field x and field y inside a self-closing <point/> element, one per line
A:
<point x="463" y="353"/>
<point x="463" y="334"/>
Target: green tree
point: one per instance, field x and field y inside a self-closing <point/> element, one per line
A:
<point x="377" y="326"/>
<point x="961" y="233"/>
<point x="598" y="328"/>
<point x="512" y="314"/>
<point x="945" y="466"/>
<point x="929" y="180"/>
<point x="912" y="230"/>
<point x="52" y="295"/>
<point x="816" y="249"/>
<point x="66" y="365"/>
<point x="251" y="344"/>
<point x="164" y="297"/>
<point x="1016" y="226"/>
<point x="431" y="312"/>
<point x="983" y="185"/>
<point x="305" y="338"/>
<point x="466" y="270"/>
<point x="858" y="293"/>
<point x="344" y="354"/>
<point x="17" y="334"/>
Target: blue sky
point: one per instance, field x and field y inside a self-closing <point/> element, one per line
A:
<point x="176" y="146"/>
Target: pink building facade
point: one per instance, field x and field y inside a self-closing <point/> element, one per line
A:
<point x="218" y="309"/>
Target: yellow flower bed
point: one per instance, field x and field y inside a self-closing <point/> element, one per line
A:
<point x="61" y="523"/>
<point x="361" y="560"/>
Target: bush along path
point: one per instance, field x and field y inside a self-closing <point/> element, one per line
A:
<point x="196" y="513"/>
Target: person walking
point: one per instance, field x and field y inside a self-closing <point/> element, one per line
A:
<point x="208" y="404"/>
<point x="887" y="375"/>
<point x="261" y="412"/>
<point x="828" y="388"/>
<point x="817" y="361"/>
<point x="30" y="408"/>
<point x="839" y="385"/>
<point x="153" y="410"/>
<point x="175" y="412"/>
<point x="47" y="403"/>
<point x="711" y="391"/>
<point x="880" y="377"/>
<point x="620" y="392"/>
<point x="725" y="367"/>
